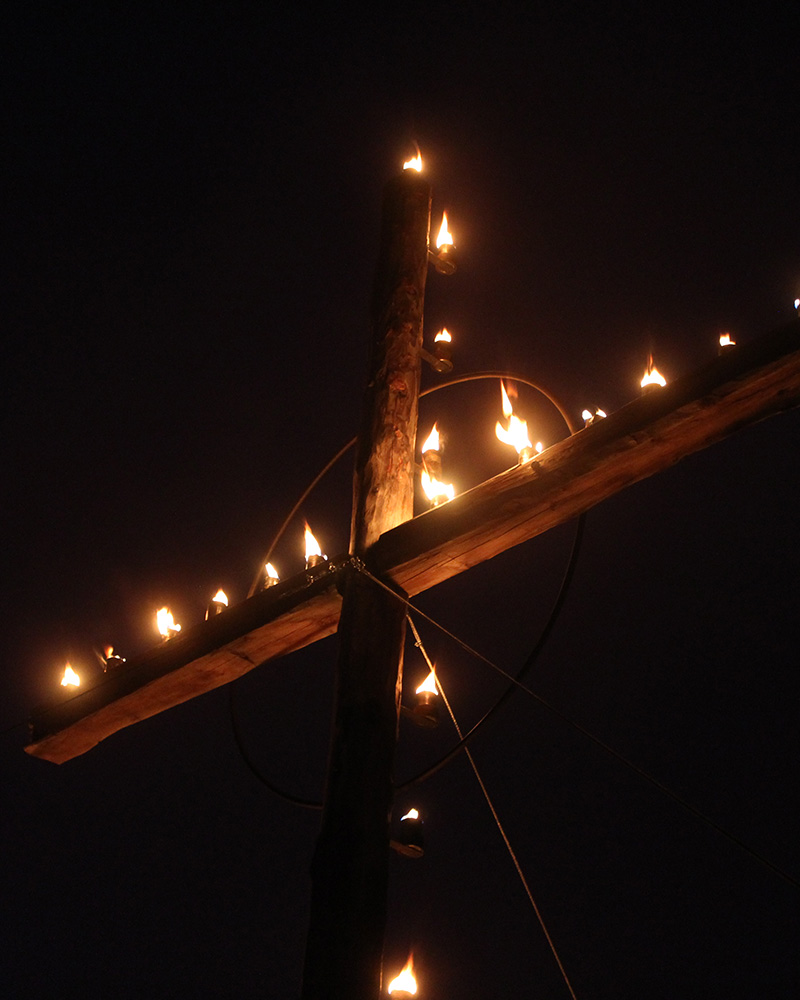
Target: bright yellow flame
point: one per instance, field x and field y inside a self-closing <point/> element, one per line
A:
<point x="652" y="376"/>
<point x="312" y="545"/>
<point x="109" y="651"/>
<point x="429" y="684"/>
<point x="220" y="598"/>
<point x="507" y="408"/>
<point x="405" y="982"/>
<point x="725" y="340"/>
<point x="432" y="441"/>
<point x="443" y="334"/>
<point x="415" y="163"/>
<point x="411" y="814"/>
<point x="271" y="572"/>
<point x="435" y="491"/>
<point x="445" y="235"/>
<point x="516" y="434"/>
<point x="70" y="678"/>
<point x="586" y="415"/>
<point x="601" y="413"/>
<point x="166" y="623"/>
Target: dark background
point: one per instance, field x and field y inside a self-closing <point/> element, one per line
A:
<point x="191" y="213"/>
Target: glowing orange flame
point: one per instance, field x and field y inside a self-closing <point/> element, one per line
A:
<point x="411" y="814"/>
<point x="435" y="491"/>
<point x="516" y="434"/>
<point x="432" y="441"/>
<point x="443" y="334"/>
<point x="415" y="163"/>
<point x="429" y="684"/>
<point x="272" y="573"/>
<point x="445" y="236"/>
<point x="726" y="341"/>
<point x="220" y="598"/>
<point x="405" y="983"/>
<point x="312" y="545"/>
<point x="165" y="623"/>
<point x="109" y="651"/>
<point x="652" y="376"/>
<point x="70" y="678"/>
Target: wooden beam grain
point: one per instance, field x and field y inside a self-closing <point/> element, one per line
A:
<point x="653" y="432"/>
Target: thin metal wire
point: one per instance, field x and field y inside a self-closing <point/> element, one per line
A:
<point x="503" y="834"/>
<point x="697" y="813"/>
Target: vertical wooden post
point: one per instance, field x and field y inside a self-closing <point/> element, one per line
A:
<point x="351" y="862"/>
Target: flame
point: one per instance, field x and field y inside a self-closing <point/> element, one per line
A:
<point x="652" y="376"/>
<point x="725" y="340"/>
<point x="516" y="434"/>
<point x="271" y="572"/>
<point x="797" y="303"/>
<point x="601" y="413"/>
<point x="109" y="651"/>
<point x="429" y="684"/>
<point x="586" y="415"/>
<point x="411" y="814"/>
<point x="435" y="491"/>
<point x="443" y="334"/>
<point x="70" y="678"/>
<point x="405" y="982"/>
<point x="415" y="163"/>
<point x="312" y="545"/>
<point x="220" y="598"/>
<point x="166" y="623"/>
<point x="445" y="235"/>
<point x="432" y="441"/>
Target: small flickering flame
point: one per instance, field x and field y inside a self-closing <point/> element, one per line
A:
<point x="405" y="983"/>
<point x="415" y="163"/>
<point x="445" y="236"/>
<point x="70" y="678"/>
<point x="797" y="303"/>
<point x="220" y="598"/>
<point x="429" y="684"/>
<point x="516" y="434"/>
<point x="726" y="341"/>
<point x="166" y="623"/>
<point x="432" y="441"/>
<point x="272" y="573"/>
<point x="109" y="651"/>
<point x="411" y="814"/>
<point x="443" y="334"/>
<point x="652" y="376"/>
<point x="312" y="545"/>
<point x="435" y="491"/>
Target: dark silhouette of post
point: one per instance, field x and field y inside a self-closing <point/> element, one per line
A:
<point x="350" y="866"/>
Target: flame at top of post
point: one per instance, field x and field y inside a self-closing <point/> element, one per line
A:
<point x="411" y="814"/>
<point x="271" y="572"/>
<point x="220" y="598"/>
<point x="312" y="545"/>
<point x="405" y="982"/>
<point x="443" y="335"/>
<point x="445" y="235"/>
<point x="432" y="441"/>
<point x="415" y="163"/>
<point x="725" y="340"/>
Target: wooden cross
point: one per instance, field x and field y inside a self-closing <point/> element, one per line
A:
<point x="411" y="555"/>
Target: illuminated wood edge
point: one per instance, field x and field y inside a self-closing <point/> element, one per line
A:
<point x="745" y="385"/>
<point x="268" y="625"/>
<point x="656" y="430"/>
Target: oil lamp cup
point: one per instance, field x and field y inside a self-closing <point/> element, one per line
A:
<point x="426" y="709"/>
<point x="219" y="602"/>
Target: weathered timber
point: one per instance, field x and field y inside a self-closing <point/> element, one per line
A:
<point x="268" y="625"/>
<point x="350" y="870"/>
<point x="747" y="384"/>
<point x="648" y="435"/>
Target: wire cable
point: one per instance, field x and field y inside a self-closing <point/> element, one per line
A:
<point x="500" y="827"/>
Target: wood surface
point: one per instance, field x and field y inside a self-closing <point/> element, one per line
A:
<point x="745" y="385"/>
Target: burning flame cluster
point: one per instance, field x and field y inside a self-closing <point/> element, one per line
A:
<point x="435" y="490"/>
<point x="405" y="984"/>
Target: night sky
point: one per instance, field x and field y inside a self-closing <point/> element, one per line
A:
<point x="191" y="213"/>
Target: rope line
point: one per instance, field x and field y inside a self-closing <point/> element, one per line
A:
<point x="500" y="827"/>
<point x="462" y="745"/>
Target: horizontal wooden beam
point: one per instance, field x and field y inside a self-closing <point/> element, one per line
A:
<point x="744" y="385"/>
<point x="656" y="430"/>
<point x="268" y="625"/>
